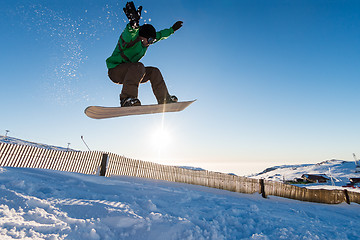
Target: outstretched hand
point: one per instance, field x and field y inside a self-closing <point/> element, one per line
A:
<point x="132" y="14"/>
<point x="177" y="25"/>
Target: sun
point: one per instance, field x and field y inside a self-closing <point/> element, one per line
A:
<point x="161" y="137"/>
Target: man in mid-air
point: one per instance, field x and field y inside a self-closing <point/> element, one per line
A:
<point x="124" y="66"/>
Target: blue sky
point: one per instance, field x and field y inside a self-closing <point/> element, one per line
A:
<point x="277" y="82"/>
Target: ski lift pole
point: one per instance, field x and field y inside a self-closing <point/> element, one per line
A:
<point x="331" y="178"/>
<point x="82" y="138"/>
<point x="357" y="165"/>
<point x="356" y="161"/>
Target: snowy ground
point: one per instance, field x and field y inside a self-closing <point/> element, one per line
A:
<point x="46" y="204"/>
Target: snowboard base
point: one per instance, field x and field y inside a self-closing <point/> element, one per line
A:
<point x="99" y="112"/>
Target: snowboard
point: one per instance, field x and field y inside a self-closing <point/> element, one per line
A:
<point x="99" y="112"/>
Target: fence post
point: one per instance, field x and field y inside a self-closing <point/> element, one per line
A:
<point x="347" y="199"/>
<point x="103" y="164"/>
<point x="262" y="188"/>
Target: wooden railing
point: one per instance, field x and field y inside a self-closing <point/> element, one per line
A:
<point x="109" y="164"/>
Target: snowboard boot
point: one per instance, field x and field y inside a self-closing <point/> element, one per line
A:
<point x="172" y="99"/>
<point x="169" y="99"/>
<point x="129" y="102"/>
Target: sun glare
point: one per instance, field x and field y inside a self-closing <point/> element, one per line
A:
<point x="161" y="137"/>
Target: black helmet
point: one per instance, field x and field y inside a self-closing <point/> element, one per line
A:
<point x="147" y="31"/>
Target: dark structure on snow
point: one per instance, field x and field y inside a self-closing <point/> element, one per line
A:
<point x="313" y="178"/>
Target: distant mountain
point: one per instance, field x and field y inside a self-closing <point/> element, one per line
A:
<point x="192" y="168"/>
<point x="17" y="141"/>
<point x="339" y="172"/>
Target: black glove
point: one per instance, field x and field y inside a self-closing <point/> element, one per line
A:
<point x="177" y="25"/>
<point x="132" y="14"/>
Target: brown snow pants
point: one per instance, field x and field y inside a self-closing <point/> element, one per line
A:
<point x="130" y="75"/>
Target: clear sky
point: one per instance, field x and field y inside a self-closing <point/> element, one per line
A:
<point x="276" y="82"/>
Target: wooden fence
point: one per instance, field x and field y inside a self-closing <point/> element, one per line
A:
<point x="109" y="164"/>
<point x="12" y="155"/>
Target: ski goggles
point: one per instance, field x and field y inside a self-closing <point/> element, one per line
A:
<point x="151" y="40"/>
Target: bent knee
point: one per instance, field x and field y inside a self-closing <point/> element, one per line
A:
<point x="153" y="71"/>
<point x="138" y="66"/>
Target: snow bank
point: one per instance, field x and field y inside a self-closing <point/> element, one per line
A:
<point x="46" y="204"/>
<point x="337" y="171"/>
<point x="12" y="140"/>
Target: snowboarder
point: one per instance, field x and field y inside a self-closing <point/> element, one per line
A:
<point x="124" y="66"/>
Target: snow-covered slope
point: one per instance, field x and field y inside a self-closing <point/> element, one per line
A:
<point x="46" y="204"/>
<point x="337" y="171"/>
<point x="18" y="141"/>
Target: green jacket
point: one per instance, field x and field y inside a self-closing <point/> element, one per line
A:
<point x="130" y="48"/>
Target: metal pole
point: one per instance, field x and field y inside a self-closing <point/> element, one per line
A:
<point x="355" y="158"/>
<point x="82" y="138"/>
<point x="357" y="165"/>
